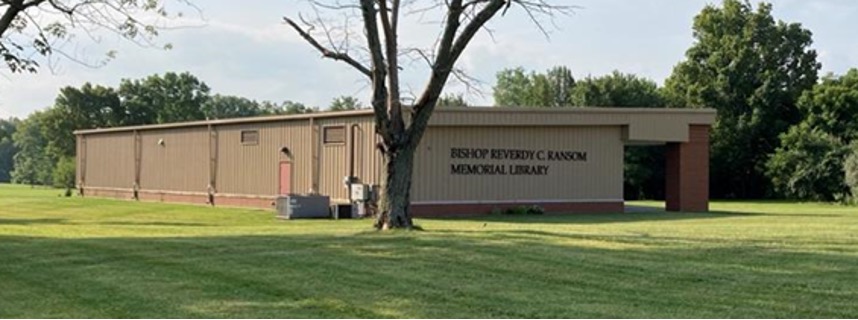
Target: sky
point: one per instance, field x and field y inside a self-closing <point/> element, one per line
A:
<point x="248" y="51"/>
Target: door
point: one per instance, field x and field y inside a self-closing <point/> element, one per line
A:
<point x="285" y="177"/>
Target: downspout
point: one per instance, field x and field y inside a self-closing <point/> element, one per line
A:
<point x="137" y="152"/>
<point x="351" y="158"/>
<point x="211" y="189"/>
<point x="82" y="152"/>
<point x="314" y="159"/>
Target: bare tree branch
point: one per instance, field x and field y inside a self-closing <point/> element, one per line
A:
<point x="327" y="53"/>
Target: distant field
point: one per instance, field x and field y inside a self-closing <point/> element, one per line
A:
<point x="100" y="258"/>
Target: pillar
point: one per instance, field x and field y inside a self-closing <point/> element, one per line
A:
<point x="687" y="172"/>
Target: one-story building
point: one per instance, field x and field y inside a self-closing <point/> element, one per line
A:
<point x="471" y="160"/>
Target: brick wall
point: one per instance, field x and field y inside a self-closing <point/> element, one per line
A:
<point x="687" y="172"/>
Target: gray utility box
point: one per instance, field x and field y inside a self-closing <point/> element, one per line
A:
<point x="296" y="206"/>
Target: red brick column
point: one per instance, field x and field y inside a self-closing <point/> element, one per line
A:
<point x="687" y="172"/>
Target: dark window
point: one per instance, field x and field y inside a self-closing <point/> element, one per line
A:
<point x="250" y="137"/>
<point x="334" y="134"/>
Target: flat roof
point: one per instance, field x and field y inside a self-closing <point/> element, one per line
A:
<point x="708" y="114"/>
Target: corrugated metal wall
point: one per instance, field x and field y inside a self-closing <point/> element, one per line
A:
<point x="179" y="164"/>
<point x="598" y="178"/>
<point x="110" y="160"/>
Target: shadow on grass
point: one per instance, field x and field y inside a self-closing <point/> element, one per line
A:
<point x="431" y="274"/>
<point x="594" y="218"/>
<point x="25" y="222"/>
<point x="154" y="224"/>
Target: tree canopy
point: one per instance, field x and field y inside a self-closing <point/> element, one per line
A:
<point x="34" y="30"/>
<point x="752" y="69"/>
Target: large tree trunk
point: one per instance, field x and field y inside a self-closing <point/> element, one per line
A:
<point x="396" y="190"/>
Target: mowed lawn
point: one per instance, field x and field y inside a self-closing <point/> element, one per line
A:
<point x="85" y="257"/>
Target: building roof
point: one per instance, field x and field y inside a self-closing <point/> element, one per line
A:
<point x="644" y="123"/>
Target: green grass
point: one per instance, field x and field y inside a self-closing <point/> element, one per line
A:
<point x="101" y="258"/>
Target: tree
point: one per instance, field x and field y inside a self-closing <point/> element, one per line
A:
<point x="452" y="100"/>
<point x="169" y="98"/>
<point x="64" y="174"/>
<point x="7" y="148"/>
<point x="809" y="165"/>
<point x="399" y="139"/>
<point x="222" y="107"/>
<point x="85" y="108"/>
<point x="344" y="103"/>
<point x="752" y="69"/>
<point x="32" y="164"/>
<point x="34" y="29"/>
<point x="832" y="106"/>
<point x="616" y="90"/>
<point x="287" y="107"/>
<point x="562" y="83"/>
<point x="516" y="88"/>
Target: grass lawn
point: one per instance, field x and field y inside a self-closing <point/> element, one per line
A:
<point x="85" y="257"/>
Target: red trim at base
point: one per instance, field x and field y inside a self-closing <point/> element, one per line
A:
<point x="200" y="199"/>
<point x="447" y="210"/>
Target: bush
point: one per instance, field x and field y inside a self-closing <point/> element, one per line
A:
<point x="808" y="165"/>
<point x="850" y="169"/>
<point x="525" y="210"/>
<point x="64" y="174"/>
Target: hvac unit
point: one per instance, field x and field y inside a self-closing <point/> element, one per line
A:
<point x="303" y="206"/>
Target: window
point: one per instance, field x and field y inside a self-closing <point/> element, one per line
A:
<point x="334" y="134"/>
<point x="249" y="137"/>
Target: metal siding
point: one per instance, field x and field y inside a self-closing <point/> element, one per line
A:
<point x="110" y="160"/>
<point x="254" y="169"/>
<point x="598" y="178"/>
<point x="181" y="164"/>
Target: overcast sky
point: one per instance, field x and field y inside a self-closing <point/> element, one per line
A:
<point x="246" y="50"/>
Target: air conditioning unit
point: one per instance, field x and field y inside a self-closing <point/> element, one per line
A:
<point x="296" y="206"/>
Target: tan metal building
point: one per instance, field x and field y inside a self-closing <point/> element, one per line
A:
<point x="471" y="160"/>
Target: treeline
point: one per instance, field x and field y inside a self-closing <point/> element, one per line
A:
<point x="780" y="133"/>
<point x="40" y="149"/>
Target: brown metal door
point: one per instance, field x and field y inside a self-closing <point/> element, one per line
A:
<point x="285" y="177"/>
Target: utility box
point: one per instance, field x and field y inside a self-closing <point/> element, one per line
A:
<point x="360" y="192"/>
<point x="296" y="206"/>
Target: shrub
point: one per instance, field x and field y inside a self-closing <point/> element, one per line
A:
<point x="64" y="174"/>
<point x="525" y="210"/>
<point x="808" y="165"/>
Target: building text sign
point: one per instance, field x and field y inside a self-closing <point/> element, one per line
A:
<point x="537" y="161"/>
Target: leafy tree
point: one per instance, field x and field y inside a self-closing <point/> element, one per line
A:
<point x="452" y="100"/>
<point x="7" y="148"/>
<point x="516" y="88"/>
<point x="222" y="107"/>
<point x="462" y="20"/>
<point x="168" y="98"/>
<point x="808" y="165"/>
<point x="832" y="105"/>
<point x="344" y="103"/>
<point x="85" y="108"/>
<point x="752" y="69"/>
<point x="562" y="83"/>
<point x="34" y="29"/>
<point x="617" y="89"/>
<point x="64" y="174"/>
<point x="32" y="164"/>
<point x="287" y="107"/>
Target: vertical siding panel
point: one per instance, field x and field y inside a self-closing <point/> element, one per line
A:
<point x="180" y="164"/>
<point x="110" y="160"/>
